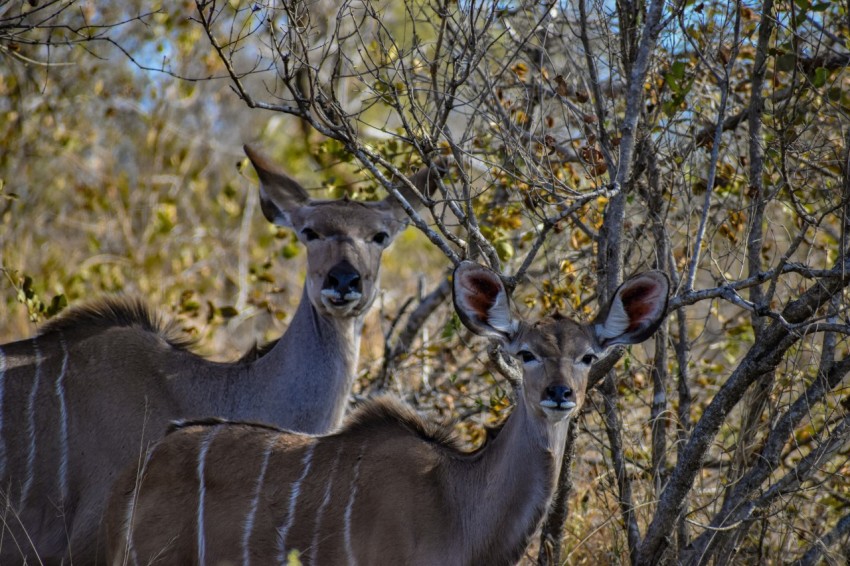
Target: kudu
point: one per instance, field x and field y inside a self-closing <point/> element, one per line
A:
<point x="89" y="394"/>
<point x="387" y="488"/>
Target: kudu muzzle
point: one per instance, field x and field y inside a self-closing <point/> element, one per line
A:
<point x="558" y="401"/>
<point x="343" y="286"/>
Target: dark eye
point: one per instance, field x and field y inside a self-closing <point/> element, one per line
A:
<point x="309" y="234"/>
<point x="526" y="356"/>
<point x="588" y="359"/>
<point x="381" y="238"/>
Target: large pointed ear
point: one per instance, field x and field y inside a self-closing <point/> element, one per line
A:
<point x="481" y="301"/>
<point x="279" y="193"/>
<point x="425" y="180"/>
<point x="635" y="311"/>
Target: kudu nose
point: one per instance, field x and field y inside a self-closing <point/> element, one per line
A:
<point x="559" y="393"/>
<point x="343" y="279"/>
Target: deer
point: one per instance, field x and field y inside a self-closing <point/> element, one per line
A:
<point x="100" y="383"/>
<point x="388" y="487"/>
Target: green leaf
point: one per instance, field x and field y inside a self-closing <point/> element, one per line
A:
<point x="451" y="327"/>
<point x="27" y="287"/>
<point x="677" y="69"/>
<point x="57" y="304"/>
<point x="293" y="558"/>
<point x="504" y="249"/>
<point x="290" y="250"/>
<point x="675" y="76"/>
<point x="819" y="78"/>
<point x="786" y="61"/>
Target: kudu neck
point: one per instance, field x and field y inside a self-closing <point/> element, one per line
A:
<point x="309" y="370"/>
<point x="310" y="330"/>
<point x="507" y="488"/>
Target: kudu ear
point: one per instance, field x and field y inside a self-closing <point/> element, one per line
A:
<point x="635" y="312"/>
<point x="481" y="301"/>
<point x="279" y="193"/>
<point x="425" y="180"/>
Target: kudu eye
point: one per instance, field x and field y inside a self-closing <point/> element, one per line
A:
<point x="588" y="359"/>
<point x="381" y="238"/>
<point x="526" y="357"/>
<point x="309" y="234"/>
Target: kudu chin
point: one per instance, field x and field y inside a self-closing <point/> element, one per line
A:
<point x="387" y="488"/>
<point x="89" y="394"/>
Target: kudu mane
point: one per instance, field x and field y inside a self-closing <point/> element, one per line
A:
<point x="215" y="421"/>
<point x="382" y="415"/>
<point x="387" y="414"/>
<point x="107" y="312"/>
<point x="103" y="313"/>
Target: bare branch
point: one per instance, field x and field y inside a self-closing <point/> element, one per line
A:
<point x="715" y="151"/>
<point x="764" y="356"/>
<point x="816" y="551"/>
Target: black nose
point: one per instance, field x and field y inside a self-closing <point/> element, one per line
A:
<point x="559" y="393"/>
<point x="343" y="279"/>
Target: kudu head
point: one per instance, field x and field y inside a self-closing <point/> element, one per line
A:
<point x="344" y="239"/>
<point x="556" y="353"/>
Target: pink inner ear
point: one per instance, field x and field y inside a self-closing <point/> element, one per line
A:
<point x="639" y="303"/>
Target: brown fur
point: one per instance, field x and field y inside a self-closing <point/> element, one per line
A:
<point x="88" y="396"/>
<point x="382" y="433"/>
<point x="387" y="488"/>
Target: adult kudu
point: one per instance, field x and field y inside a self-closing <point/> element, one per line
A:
<point x="86" y="397"/>
<point x="387" y="488"/>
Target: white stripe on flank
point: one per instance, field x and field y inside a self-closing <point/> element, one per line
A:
<point x="293" y="499"/>
<point x="314" y="546"/>
<point x="63" y="423"/>
<point x="31" y="423"/>
<point x="202" y="457"/>
<point x="129" y="516"/>
<point x="252" y="512"/>
<point x="349" y="508"/>
<point x="2" y="438"/>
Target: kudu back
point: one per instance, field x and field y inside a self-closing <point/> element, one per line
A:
<point x="387" y="488"/>
<point x="90" y="393"/>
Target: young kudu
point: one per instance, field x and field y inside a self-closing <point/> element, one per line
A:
<point x="387" y="488"/>
<point x="90" y="393"/>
